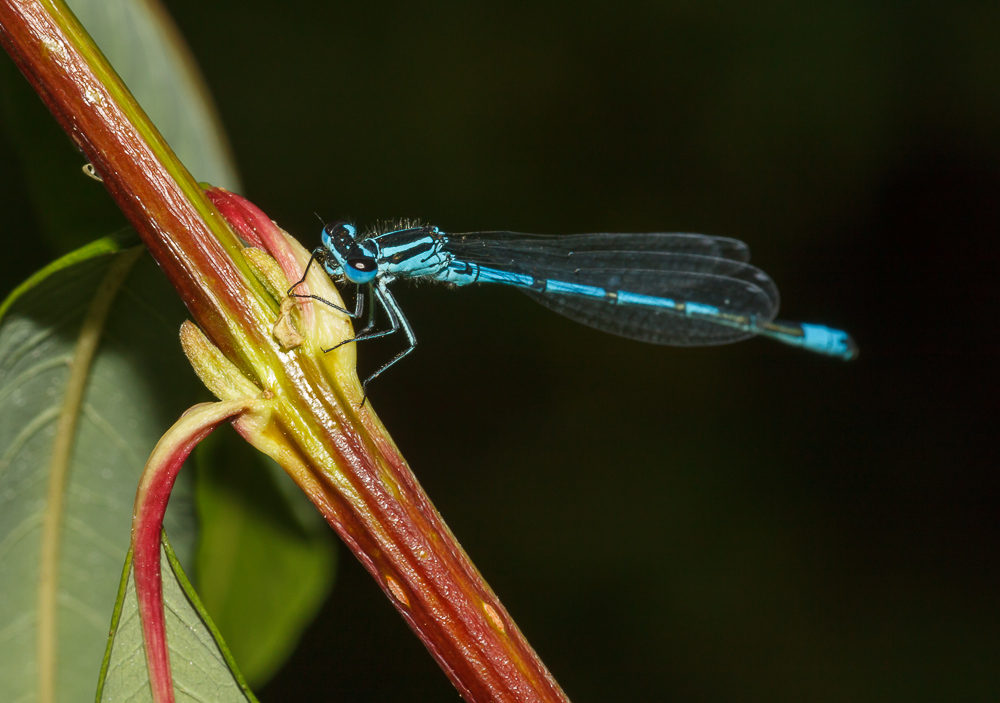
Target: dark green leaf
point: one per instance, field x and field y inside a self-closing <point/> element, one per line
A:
<point x="136" y="385"/>
<point x="111" y="244"/>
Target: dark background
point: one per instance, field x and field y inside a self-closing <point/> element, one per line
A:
<point x="739" y="523"/>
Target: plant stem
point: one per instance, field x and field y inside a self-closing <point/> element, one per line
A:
<point x="339" y="454"/>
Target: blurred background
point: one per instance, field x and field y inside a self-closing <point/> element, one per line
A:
<point x="738" y="523"/>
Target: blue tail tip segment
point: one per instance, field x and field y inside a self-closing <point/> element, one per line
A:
<point x="826" y="340"/>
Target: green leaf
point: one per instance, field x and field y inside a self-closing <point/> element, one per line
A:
<point x="201" y="666"/>
<point x="266" y="560"/>
<point x="109" y="409"/>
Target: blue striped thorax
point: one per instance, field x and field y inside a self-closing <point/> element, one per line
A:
<point x="415" y="252"/>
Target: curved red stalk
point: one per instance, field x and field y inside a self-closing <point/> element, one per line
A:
<point x="155" y="486"/>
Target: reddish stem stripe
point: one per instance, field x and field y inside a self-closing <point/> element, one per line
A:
<point x="232" y="208"/>
<point x="258" y="230"/>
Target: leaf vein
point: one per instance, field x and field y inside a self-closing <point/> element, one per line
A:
<point x="40" y="420"/>
<point x="88" y="612"/>
<point x="109" y="431"/>
<point x="17" y="626"/>
<point x="19" y="532"/>
<point x="33" y="372"/>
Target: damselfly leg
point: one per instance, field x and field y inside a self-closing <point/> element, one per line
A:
<point x="292" y="294"/>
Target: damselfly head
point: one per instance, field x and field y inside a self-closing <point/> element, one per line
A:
<point x="356" y="259"/>
<point x="338" y="232"/>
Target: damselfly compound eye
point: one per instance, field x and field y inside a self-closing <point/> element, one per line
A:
<point x="363" y="265"/>
<point x="360" y="269"/>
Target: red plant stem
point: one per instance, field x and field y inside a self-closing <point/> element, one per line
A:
<point x="401" y="539"/>
<point x="339" y="455"/>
